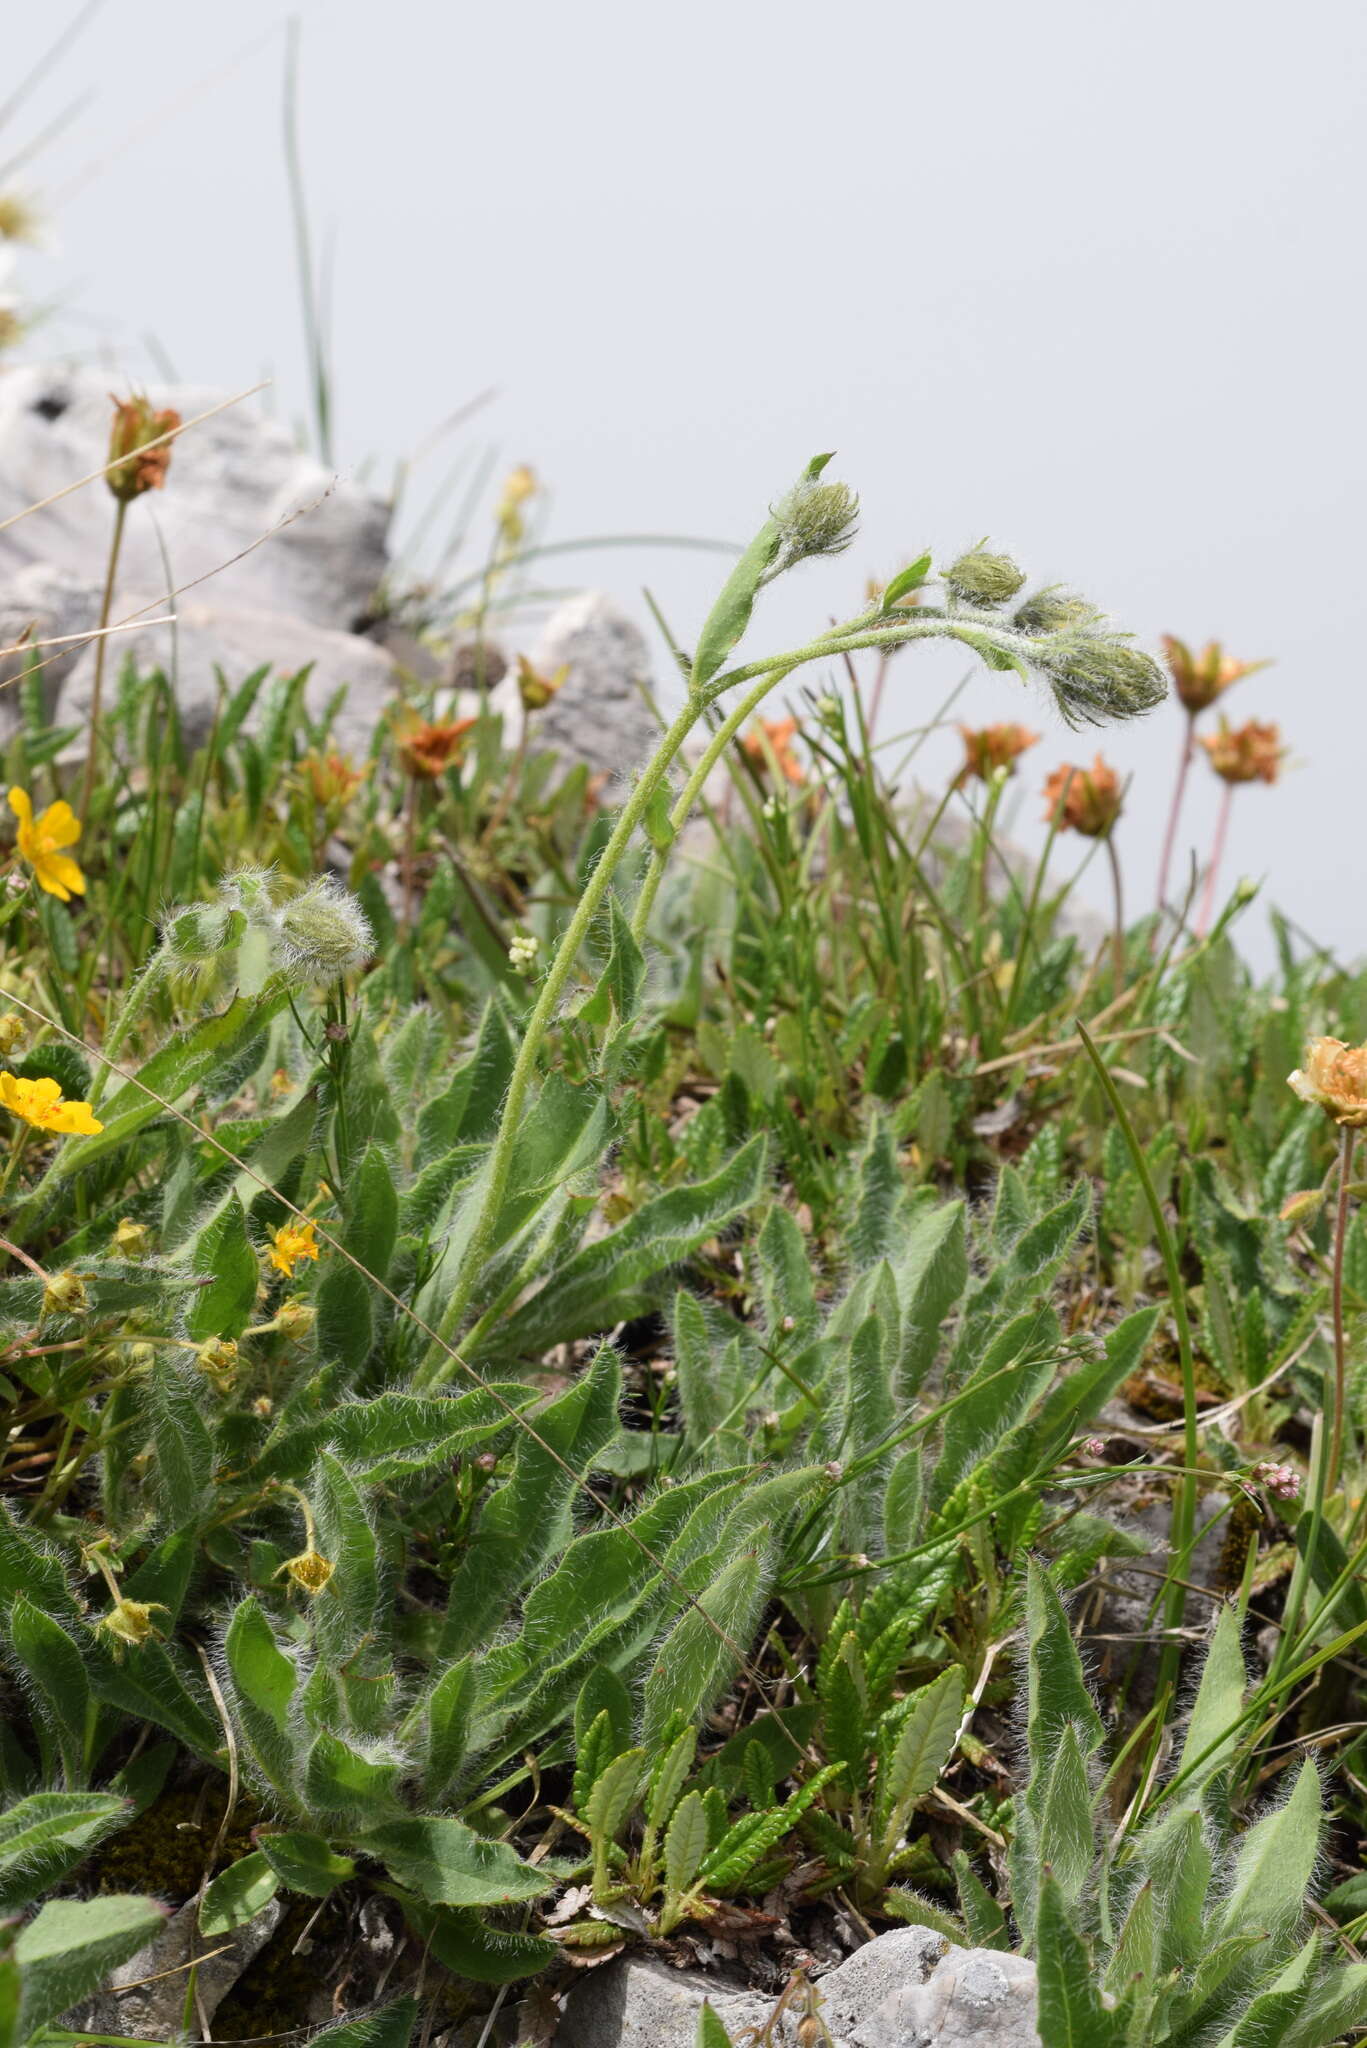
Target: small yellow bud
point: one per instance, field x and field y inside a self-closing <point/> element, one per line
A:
<point x="132" y="1239"/>
<point x="13" y="1033"/>
<point x="536" y="691"/>
<point x="64" y="1294"/>
<point x="129" y="1624"/>
<point x="217" y="1358"/>
<point x="294" y="1318"/>
<point x="1300" y="1207"/>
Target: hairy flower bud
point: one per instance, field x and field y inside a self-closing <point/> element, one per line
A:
<point x="129" y="1624"/>
<point x="132" y="1239"/>
<point x="982" y="578"/>
<point x="64" y="1294"/>
<point x="13" y="1032"/>
<point x="323" y="932"/>
<point x="295" y="1318"/>
<point x="1098" y="677"/>
<point x="138" y="466"/>
<point x="218" y="1360"/>
<point x="1050" y="611"/>
<point x="199" y="931"/>
<point x="815" y="519"/>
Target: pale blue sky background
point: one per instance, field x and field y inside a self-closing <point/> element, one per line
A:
<point x="1082" y="275"/>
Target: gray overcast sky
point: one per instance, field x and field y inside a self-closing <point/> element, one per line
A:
<point x="1085" y="276"/>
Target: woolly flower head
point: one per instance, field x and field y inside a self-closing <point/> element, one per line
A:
<point x="815" y="519"/>
<point x="322" y="933"/>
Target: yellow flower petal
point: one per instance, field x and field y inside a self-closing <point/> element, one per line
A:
<point x="59" y="825"/>
<point x="21" y="806"/>
<point x="76" y="1116"/>
<point x="60" y="876"/>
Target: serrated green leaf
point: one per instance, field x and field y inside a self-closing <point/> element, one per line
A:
<point x="685" y="1844"/>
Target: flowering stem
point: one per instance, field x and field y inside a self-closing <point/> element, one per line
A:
<point x="1346" y="1141"/>
<point x="101" y="643"/>
<point x="678" y="817"/>
<point x="552" y="988"/>
<point x="1179" y="791"/>
<point x="1217" y="854"/>
<point x="1118" y="933"/>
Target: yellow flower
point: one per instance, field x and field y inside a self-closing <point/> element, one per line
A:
<point x="41" y="841"/>
<point x="292" y="1242"/>
<point x="40" y="1103"/>
<point x="310" y="1571"/>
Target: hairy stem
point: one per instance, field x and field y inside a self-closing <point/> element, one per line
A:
<point x="538" y="1024"/>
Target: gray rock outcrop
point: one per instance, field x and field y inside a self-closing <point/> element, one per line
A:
<point x="291" y="601"/>
<point x="907" y="1989"/>
<point x="599" y="714"/>
<point x="232" y="479"/>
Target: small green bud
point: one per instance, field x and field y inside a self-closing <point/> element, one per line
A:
<point x="323" y="932"/>
<point x="1099" y="677"/>
<point x="982" y="578"/>
<point x="815" y="519"/>
<point x="1050" y="611"/>
<point x="200" y="931"/>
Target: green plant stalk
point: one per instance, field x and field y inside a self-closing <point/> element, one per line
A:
<point x="1184" y="1505"/>
<point x="436" y="1372"/>
<point x="678" y="817"/>
<point x="101" y="643"/>
<point x="1347" y="1139"/>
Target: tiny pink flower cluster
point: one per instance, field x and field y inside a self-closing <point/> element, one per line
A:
<point x="1282" y="1480"/>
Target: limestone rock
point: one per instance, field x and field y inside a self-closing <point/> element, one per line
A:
<point x="237" y="640"/>
<point x="41" y="602"/>
<point x="152" y="2011"/>
<point x="230" y="480"/>
<point x="907" y="1989"/>
<point x="599" y="715"/>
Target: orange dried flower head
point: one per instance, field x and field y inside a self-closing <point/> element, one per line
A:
<point x="427" y="751"/>
<point x="332" y="778"/>
<point x="990" y="747"/>
<point x="770" y="740"/>
<point x="1245" y="753"/>
<point x="1085" y="800"/>
<point x="1200" y="678"/>
<point x="1334" y="1076"/>
<point x="139" y="467"/>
